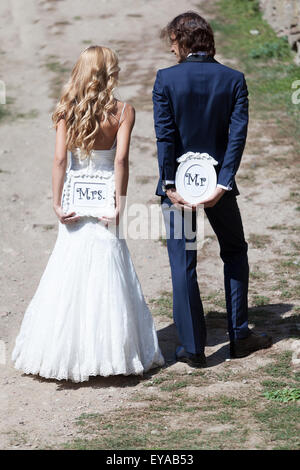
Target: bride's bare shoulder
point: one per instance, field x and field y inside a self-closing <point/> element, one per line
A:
<point x="128" y="112"/>
<point x="124" y="105"/>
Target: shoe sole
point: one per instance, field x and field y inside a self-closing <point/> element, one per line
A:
<point x="239" y="356"/>
<point x="190" y="363"/>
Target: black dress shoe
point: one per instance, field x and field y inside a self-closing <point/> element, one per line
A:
<point x="193" y="360"/>
<point x="253" y="342"/>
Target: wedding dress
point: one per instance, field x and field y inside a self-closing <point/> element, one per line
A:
<point x="88" y="315"/>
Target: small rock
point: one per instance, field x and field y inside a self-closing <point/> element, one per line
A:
<point x="254" y="32"/>
<point x="5" y="314"/>
<point x="15" y="197"/>
<point x="154" y="431"/>
<point x="245" y="381"/>
<point x="296" y="353"/>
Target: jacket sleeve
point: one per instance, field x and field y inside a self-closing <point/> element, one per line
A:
<point x="165" y="131"/>
<point x="237" y="135"/>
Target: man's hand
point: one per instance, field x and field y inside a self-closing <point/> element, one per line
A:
<point x="214" y="198"/>
<point x="177" y="200"/>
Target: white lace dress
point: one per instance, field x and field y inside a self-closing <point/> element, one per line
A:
<point x="88" y="315"/>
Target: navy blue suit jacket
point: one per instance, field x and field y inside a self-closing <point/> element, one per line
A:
<point x="200" y="105"/>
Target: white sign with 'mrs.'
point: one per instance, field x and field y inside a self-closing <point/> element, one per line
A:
<point x="89" y="194"/>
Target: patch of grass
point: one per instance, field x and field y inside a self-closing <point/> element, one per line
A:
<point x="4" y="112"/>
<point x="143" y="179"/>
<point x="134" y="15"/>
<point x="224" y="376"/>
<point x="281" y="367"/>
<point x="272" y="385"/>
<point x="174" y="386"/>
<point x="130" y="430"/>
<point x="32" y="114"/>
<point x="56" y="67"/>
<point x="265" y="58"/>
<point x="215" y="298"/>
<point x="17" y="438"/>
<point x="281" y="421"/>
<point x="45" y="227"/>
<point x="163" y="241"/>
<point x="258" y="275"/>
<point x="163" y="305"/>
<point x="260" y="300"/>
<point x="284" y="395"/>
<point x="291" y="293"/>
<point x="248" y="177"/>
<point x="278" y="49"/>
<point x="223" y="417"/>
<point x="294" y="196"/>
<point x="231" y="402"/>
<point x="162" y="422"/>
<point x="259" y="241"/>
<point x="288" y="291"/>
<point x="156" y="381"/>
<point x="287" y="266"/>
<point x="291" y="228"/>
<point x="5" y="109"/>
<point x="278" y="227"/>
<point x="7" y="112"/>
<point x="282" y="283"/>
<point x="153" y="427"/>
<point x="60" y="72"/>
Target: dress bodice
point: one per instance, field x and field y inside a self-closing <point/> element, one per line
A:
<point x="96" y="160"/>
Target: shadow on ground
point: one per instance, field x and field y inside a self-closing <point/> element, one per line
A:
<point x="269" y="318"/>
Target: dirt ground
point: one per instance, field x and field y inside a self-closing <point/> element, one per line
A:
<point x="38" y="44"/>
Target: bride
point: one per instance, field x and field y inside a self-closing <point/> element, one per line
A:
<point x="88" y="315"/>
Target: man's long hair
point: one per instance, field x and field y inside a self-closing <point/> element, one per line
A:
<point x="192" y="32"/>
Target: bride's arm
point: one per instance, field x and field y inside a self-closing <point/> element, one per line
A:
<point x="122" y="156"/>
<point x="58" y="173"/>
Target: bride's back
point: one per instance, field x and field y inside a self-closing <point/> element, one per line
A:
<point x="105" y="139"/>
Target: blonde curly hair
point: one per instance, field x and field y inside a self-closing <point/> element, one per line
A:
<point x="87" y="98"/>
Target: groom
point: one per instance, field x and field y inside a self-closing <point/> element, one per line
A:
<point x="201" y="105"/>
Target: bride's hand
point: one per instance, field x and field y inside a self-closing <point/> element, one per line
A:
<point x="69" y="218"/>
<point x="114" y="219"/>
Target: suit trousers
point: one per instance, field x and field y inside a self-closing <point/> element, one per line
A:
<point x="188" y="314"/>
